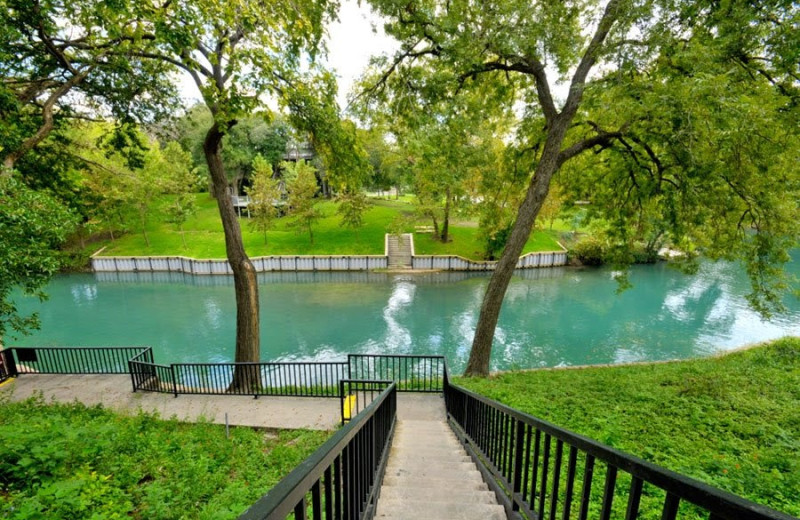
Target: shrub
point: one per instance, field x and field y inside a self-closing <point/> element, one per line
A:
<point x="589" y="251"/>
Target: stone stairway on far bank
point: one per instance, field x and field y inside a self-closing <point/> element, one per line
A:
<point x="399" y="249"/>
<point x="428" y="473"/>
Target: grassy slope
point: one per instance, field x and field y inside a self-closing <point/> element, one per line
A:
<point x="732" y="421"/>
<point x="204" y="236"/>
<point x="73" y="462"/>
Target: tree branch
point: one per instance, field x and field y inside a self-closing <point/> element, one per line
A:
<point x="47" y="120"/>
<point x="589" y="59"/>
<point x="603" y="139"/>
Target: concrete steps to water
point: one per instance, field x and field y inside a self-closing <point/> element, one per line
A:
<point x="398" y="251"/>
<point x="429" y="475"/>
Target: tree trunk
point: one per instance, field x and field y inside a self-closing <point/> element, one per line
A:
<point x="144" y="228"/>
<point x="446" y="222"/>
<point x="478" y="364"/>
<point x="435" y="225"/>
<point x="245" y="378"/>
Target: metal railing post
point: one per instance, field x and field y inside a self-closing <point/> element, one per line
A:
<point x="174" y="380"/>
<point x="133" y="377"/>
<point x="517" y="479"/>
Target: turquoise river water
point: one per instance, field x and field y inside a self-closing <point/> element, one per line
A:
<point x="551" y="317"/>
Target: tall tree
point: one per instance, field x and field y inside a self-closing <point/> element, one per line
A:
<point x="265" y="196"/>
<point x="742" y="51"/>
<point x="303" y="188"/>
<point x="238" y="53"/>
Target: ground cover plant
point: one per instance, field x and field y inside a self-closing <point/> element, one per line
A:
<point x="731" y="421"/>
<point x="204" y="237"/>
<point x="76" y="462"/>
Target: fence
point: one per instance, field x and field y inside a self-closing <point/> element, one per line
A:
<point x="181" y="264"/>
<point x="341" y="479"/>
<point x="523" y="459"/>
<point x="291" y="378"/>
<point x="412" y="373"/>
<point x="71" y="360"/>
<point x="300" y="379"/>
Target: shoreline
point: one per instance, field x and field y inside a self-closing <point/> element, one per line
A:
<point x="715" y="355"/>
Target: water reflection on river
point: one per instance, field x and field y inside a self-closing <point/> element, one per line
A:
<point x="551" y="317"/>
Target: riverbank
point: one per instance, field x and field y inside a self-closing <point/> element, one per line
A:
<point x="732" y="421"/>
<point x="205" y="239"/>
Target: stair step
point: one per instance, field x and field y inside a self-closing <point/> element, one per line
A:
<point x="429" y="441"/>
<point x="440" y="458"/>
<point x="437" y="494"/>
<point x="455" y="475"/>
<point x="400" y="510"/>
<point x="473" y="483"/>
<point x="425" y="468"/>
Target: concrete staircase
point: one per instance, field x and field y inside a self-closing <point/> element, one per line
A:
<point x="429" y="475"/>
<point x="399" y="250"/>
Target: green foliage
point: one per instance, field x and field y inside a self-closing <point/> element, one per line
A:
<point x="32" y="227"/>
<point x="495" y="241"/>
<point x="98" y="55"/>
<point x="72" y="462"/>
<point x="265" y="195"/>
<point x="352" y="206"/>
<point x="302" y="190"/>
<point x="732" y="421"/>
<point x="590" y="251"/>
<point x="205" y="238"/>
<point x="181" y="185"/>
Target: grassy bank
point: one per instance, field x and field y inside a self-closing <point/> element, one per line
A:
<point x="73" y="462"/>
<point x="204" y="236"/>
<point x="731" y="421"/>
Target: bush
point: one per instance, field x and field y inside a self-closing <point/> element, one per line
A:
<point x="589" y="251"/>
<point x="75" y="462"/>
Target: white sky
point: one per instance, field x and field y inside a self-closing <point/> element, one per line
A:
<point x="357" y="36"/>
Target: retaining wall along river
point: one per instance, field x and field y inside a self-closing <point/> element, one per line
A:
<point x="181" y="264"/>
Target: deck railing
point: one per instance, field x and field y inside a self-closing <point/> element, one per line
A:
<point x="299" y="379"/>
<point x="71" y="360"/>
<point x="543" y="471"/>
<point x="341" y="479"/>
<point x="412" y="373"/>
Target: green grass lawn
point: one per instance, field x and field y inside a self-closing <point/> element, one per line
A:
<point x="731" y="421"/>
<point x="205" y="239"/>
<point x="72" y="462"/>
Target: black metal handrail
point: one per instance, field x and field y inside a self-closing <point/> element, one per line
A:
<point x="413" y="373"/>
<point x="149" y="376"/>
<point x="356" y="394"/>
<point x="290" y="378"/>
<point x="522" y="458"/>
<point x="341" y="479"/>
<point x="71" y="360"/>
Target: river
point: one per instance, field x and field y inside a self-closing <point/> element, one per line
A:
<point x="551" y="317"/>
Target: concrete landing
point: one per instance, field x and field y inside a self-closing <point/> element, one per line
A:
<point x="115" y="392"/>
